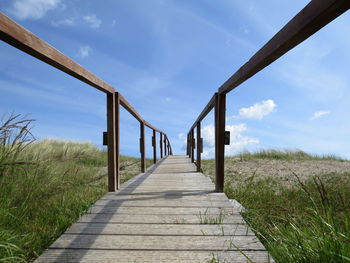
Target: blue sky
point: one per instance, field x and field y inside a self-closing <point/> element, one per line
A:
<point x="168" y="58"/>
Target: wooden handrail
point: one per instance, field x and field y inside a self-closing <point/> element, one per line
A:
<point x="308" y="21"/>
<point x="205" y="111"/>
<point x="21" y="38"/>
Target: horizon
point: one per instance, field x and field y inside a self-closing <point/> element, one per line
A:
<point x="167" y="59"/>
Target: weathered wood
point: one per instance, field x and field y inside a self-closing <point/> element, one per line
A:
<point x="154" y="144"/>
<point x="205" y="111"/>
<point x="151" y="126"/>
<point x="117" y="140"/>
<point x="130" y="108"/>
<point x="160" y="217"/>
<point x="111" y="142"/>
<point x="160" y="229"/>
<point x="192" y="145"/>
<point x="199" y="148"/>
<point x="142" y="147"/>
<point x="220" y="111"/>
<point x="309" y="20"/>
<point x="150" y="256"/>
<point x="21" y="38"/>
<point x="165" y="153"/>
<point x="161" y="145"/>
<point x="141" y="242"/>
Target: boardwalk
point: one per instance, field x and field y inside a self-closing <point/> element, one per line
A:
<point x="168" y="214"/>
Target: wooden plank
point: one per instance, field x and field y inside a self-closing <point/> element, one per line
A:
<point x="111" y="143"/>
<point x="220" y="111"/>
<point x="152" y="219"/>
<point x="192" y="243"/>
<point x="149" y="256"/>
<point x="19" y="37"/>
<point x="309" y="20"/>
<point x="160" y="230"/>
<point x="156" y="214"/>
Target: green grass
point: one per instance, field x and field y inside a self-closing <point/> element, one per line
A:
<point x="306" y="222"/>
<point x="45" y="186"/>
<point x="284" y="155"/>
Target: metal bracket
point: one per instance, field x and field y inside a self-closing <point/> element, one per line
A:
<point x="227" y="138"/>
<point x="104" y="139"/>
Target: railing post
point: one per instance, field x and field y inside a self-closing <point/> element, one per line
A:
<point x="199" y="146"/>
<point x="117" y="138"/>
<point x="111" y="145"/>
<point x="192" y="145"/>
<point x="188" y="145"/>
<point x="142" y="147"/>
<point x="164" y="145"/>
<point x="220" y="110"/>
<point x="154" y="144"/>
<point x="160" y="145"/>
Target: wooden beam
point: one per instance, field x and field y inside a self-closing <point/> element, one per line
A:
<point x="160" y="145"/>
<point x="220" y="109"/>
<point x="205" y="111"/>
<point x="199" y="147"/>
<point x="151" y="126"/>
<point x="19" y="37"/>
<point x="309" y="20"/>
<point x="170" y="148"/>
<point x="154" y="144"/>
<point x="142" y="147"/>
<point x="130" y="108"/>
<point x="111" y="144"/>
<point x="165" y="152"/>
<point x="192" y="145"/>
<point x="117" y="139"/>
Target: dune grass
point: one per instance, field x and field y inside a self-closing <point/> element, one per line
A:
<point x="309" y="222"/>
<point x="45" y="186"/>
<point x="285" y="155"/>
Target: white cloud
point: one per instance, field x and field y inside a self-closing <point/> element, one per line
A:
<point x="84" y="51"/>
<point x="63" y="22"/>
<point x="237" y="141"/>
<point x="32" y="9"/>
<point x="319" y="114"/>
<point x="258" y="110"/>
<point x="93" y="21"/>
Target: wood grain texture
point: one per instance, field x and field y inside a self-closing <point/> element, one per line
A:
<point x="19" y="37"/>
<point x="309" y="20"/>
<point x="160" y="216"/>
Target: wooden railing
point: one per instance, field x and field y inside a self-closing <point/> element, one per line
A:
<point x="309" y="20"/>
<point x="19" y="37"/>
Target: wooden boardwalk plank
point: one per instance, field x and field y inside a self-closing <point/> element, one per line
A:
<point x="168" y="214"/>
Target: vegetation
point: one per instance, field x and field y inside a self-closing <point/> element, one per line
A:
<point x="285" y="155"/>
<point x="306" y="222"/>
<point x="45" y="186"/>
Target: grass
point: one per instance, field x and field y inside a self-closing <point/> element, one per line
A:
<point x="285" y="155"/>
<point x="211" y="219"/>
<point x="45" y="186"/>
<point x="308" y="222"/>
